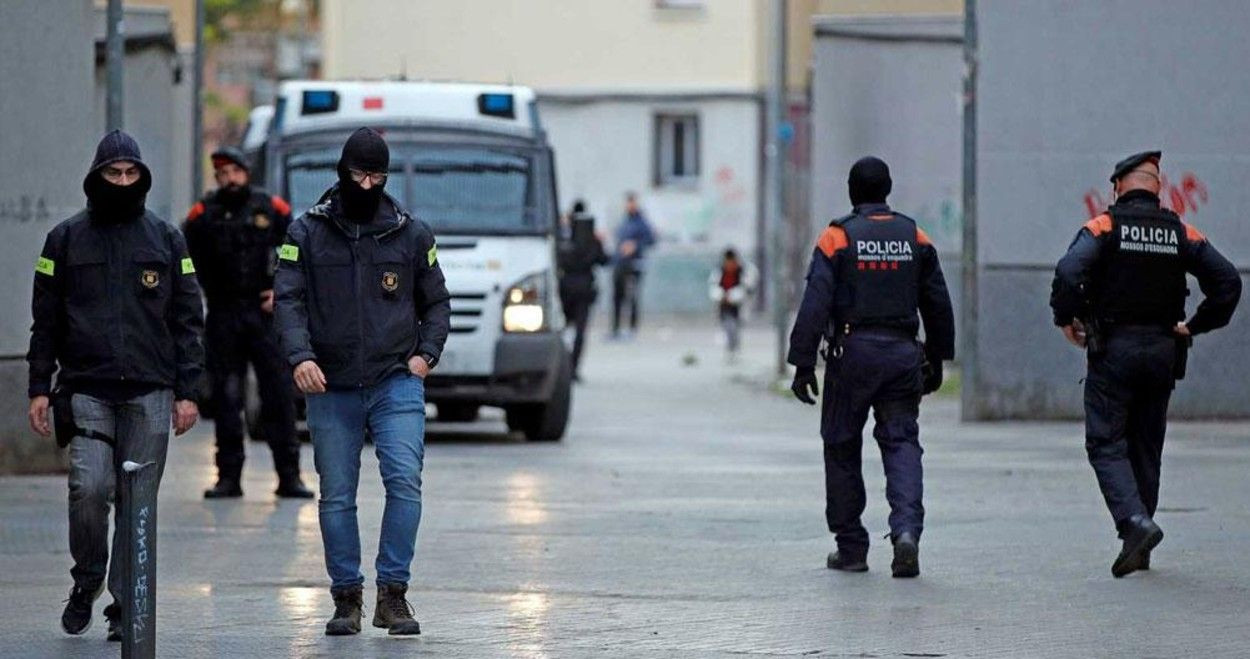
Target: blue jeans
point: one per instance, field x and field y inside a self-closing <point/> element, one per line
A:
<point x="394" y="413"/>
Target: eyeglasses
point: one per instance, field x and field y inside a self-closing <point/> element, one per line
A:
<point x="375" y="178"/>
<point x="119" y="174"/>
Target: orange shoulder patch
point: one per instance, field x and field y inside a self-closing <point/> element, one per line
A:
<point x="1193" y="234"/>
<point x="922" y="237"/>
<point x="832" y="240"/>
<point x="196" y="211"/>
<point x="1099" y="225"/>
<point x="280" y="205"/>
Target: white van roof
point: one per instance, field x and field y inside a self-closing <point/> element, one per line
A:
<point x="308" y="105"/>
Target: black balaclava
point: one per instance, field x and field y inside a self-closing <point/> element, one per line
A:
<point x="367" y="151"/>
<point x="232" y="195"/>
<point x="106" y="201"/>
<point x="869" y="181"/>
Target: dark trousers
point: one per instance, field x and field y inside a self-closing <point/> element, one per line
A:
<point x="238" y="335"/>
<point x="626" y="282"/>
<point x="731" y="321"/>
<point x="1127" y="390"/>
<point x="878" y="372"/>
<point x="577" y="307"/>
<point x="140" y="428"/>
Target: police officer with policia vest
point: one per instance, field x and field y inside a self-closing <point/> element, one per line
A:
<point x="1119" y="293"/>
<point x="233" y="235"/>
<point x="363" y="312"/>
<point x="874" y="277"/>
<point x="118" y="321"/>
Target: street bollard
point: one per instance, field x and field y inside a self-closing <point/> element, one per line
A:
<point x="138" y="523"/>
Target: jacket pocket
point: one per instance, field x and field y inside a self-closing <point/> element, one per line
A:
<point x="332" y="299"/>
<point x="88" y="280"/>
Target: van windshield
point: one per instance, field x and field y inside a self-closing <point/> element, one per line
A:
<point x="455" y="189"/>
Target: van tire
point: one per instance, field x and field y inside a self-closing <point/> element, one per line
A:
<point x="545" y="422"/>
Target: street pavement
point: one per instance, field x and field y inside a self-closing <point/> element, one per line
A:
<point x="682" y="516"/>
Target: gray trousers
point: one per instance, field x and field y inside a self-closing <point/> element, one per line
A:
<point x="141" y="429"/>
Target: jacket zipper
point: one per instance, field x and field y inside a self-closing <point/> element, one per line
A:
<point x="360" y="310"/>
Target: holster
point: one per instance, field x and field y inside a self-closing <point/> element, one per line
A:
<point x="1181" y="361"/>
<point x="1095" y="337"/>
<point x="63" y="416"/>
<point x="834" y="341"/>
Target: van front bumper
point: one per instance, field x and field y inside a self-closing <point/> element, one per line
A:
<point x="527" y="368"/>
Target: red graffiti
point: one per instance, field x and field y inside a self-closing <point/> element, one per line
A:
<point x="1183" y="198"/>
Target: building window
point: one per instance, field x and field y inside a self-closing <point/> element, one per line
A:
<point x="676" y="149"/>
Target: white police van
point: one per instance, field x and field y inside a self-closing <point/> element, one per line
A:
<point x="473" y="162"/>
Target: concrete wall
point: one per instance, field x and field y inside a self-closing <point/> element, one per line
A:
<point x="890" y="87"/>
<point x="1062" y="96"/>
<point x="46" y="132"/>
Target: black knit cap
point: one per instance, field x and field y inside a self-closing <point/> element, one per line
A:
<point x="1134" y="161"/>
<point x="227" y="154"/>
<point x="869" y="181"/>
<point x="365" y="150"/>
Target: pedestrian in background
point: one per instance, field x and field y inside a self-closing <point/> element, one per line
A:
<point x="363" y="312"/>
<point x="1119" y="293"/>
<point x="233" y="235"/>
<point x="118" y="321"/>
<point x="580" y="253"/>
<point x="729" y="286"/>
<point x="633" y="238"/>
<point x="874" y="277"/>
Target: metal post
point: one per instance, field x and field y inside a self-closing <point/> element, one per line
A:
<point x="137" y="504"/>
<point x="115" y="53"/>
<point x="971" y="384"/>
<point x="773" y="189"/>
<point x="197" y="106"/>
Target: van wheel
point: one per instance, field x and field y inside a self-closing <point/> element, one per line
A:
<point x="545" y="422"/>
<point x="456" y="412"/>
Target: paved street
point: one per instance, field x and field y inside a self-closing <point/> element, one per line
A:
<point x="683" y="517"/>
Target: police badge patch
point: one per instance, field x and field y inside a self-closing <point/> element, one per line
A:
<point x="261" y="221"/>
<point x="390" y="282"/>
<point x="150" y="279"/>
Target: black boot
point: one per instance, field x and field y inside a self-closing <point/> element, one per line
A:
<point x="226" y="488"/>
<point x="348" y="602"/>
<point x="76" y="618"/>
<point x="393" y="611"/>
<point x="906" y="556"/>
<point x="113" y="613"/>
<point x="292" y="487"/>
<point x="847" y="561"/>
<point x="1141" y="535"/>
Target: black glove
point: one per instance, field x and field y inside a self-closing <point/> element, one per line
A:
<point x="931" y="375"/>
<point x="805" y="379"/>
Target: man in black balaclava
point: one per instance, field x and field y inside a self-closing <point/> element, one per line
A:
<point x="873" y="273"/>
<point x="362" y="175"/>
<point x="233" y="234"/>
<point x="577" y="257"/>
<point x="118" y="321"/>
<point x="363" y="312"/>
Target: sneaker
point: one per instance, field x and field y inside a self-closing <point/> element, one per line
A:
<point x="113" y="613"/>
<point x="76" y="618"/>
<point x="348" y="602"/>
<point x="393" y="611"/>
<point x="906" y="556"/>
<point x="847" y="562"/>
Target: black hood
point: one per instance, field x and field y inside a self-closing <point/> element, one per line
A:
<point x="102" y="196"/>
<point x="869" y="181"/>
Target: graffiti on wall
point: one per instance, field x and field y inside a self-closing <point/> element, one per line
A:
<point x="721" y="210"/>
<point x="1182" y="198"/>
<point x="943" y="224"/>
<point x="24" y="209"/>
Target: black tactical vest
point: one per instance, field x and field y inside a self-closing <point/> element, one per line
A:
<point x="882" y="271"/>
<point x="1142" y="274"/>
<point x="244" y="239"/>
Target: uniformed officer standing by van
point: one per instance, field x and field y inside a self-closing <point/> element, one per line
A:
<point x="233" y="235"/>
<point x="364" y="311"/>
<point x="1119" y="292"/>
<point x="871" y="272"/>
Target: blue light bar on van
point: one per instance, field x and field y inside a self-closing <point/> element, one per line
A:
<point x="319" y="101"/>
<point x="496" y="105"/>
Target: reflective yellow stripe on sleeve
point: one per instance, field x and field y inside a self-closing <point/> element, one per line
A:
<point x="188" y="267"/>
<point x="45" y="266"/>
<point x="432" y="255"/>
<point x="288" y="253"/>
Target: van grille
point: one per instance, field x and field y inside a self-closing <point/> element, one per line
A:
<point x="466" y="312"/>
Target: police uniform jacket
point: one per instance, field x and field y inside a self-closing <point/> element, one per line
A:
<point x="360" y="299"/>
<point x="235" y="246"/>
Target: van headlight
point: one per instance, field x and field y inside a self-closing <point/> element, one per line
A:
<point x="524" y="305"/>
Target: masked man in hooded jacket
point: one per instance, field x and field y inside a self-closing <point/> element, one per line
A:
<point x="118" y="321"/>
<point x="363" y="312"/>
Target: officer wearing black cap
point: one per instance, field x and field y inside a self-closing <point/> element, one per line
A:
<point x="1120" y="293"/>
<point x="874" y="277"/>
<point x="233" y="235"/>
